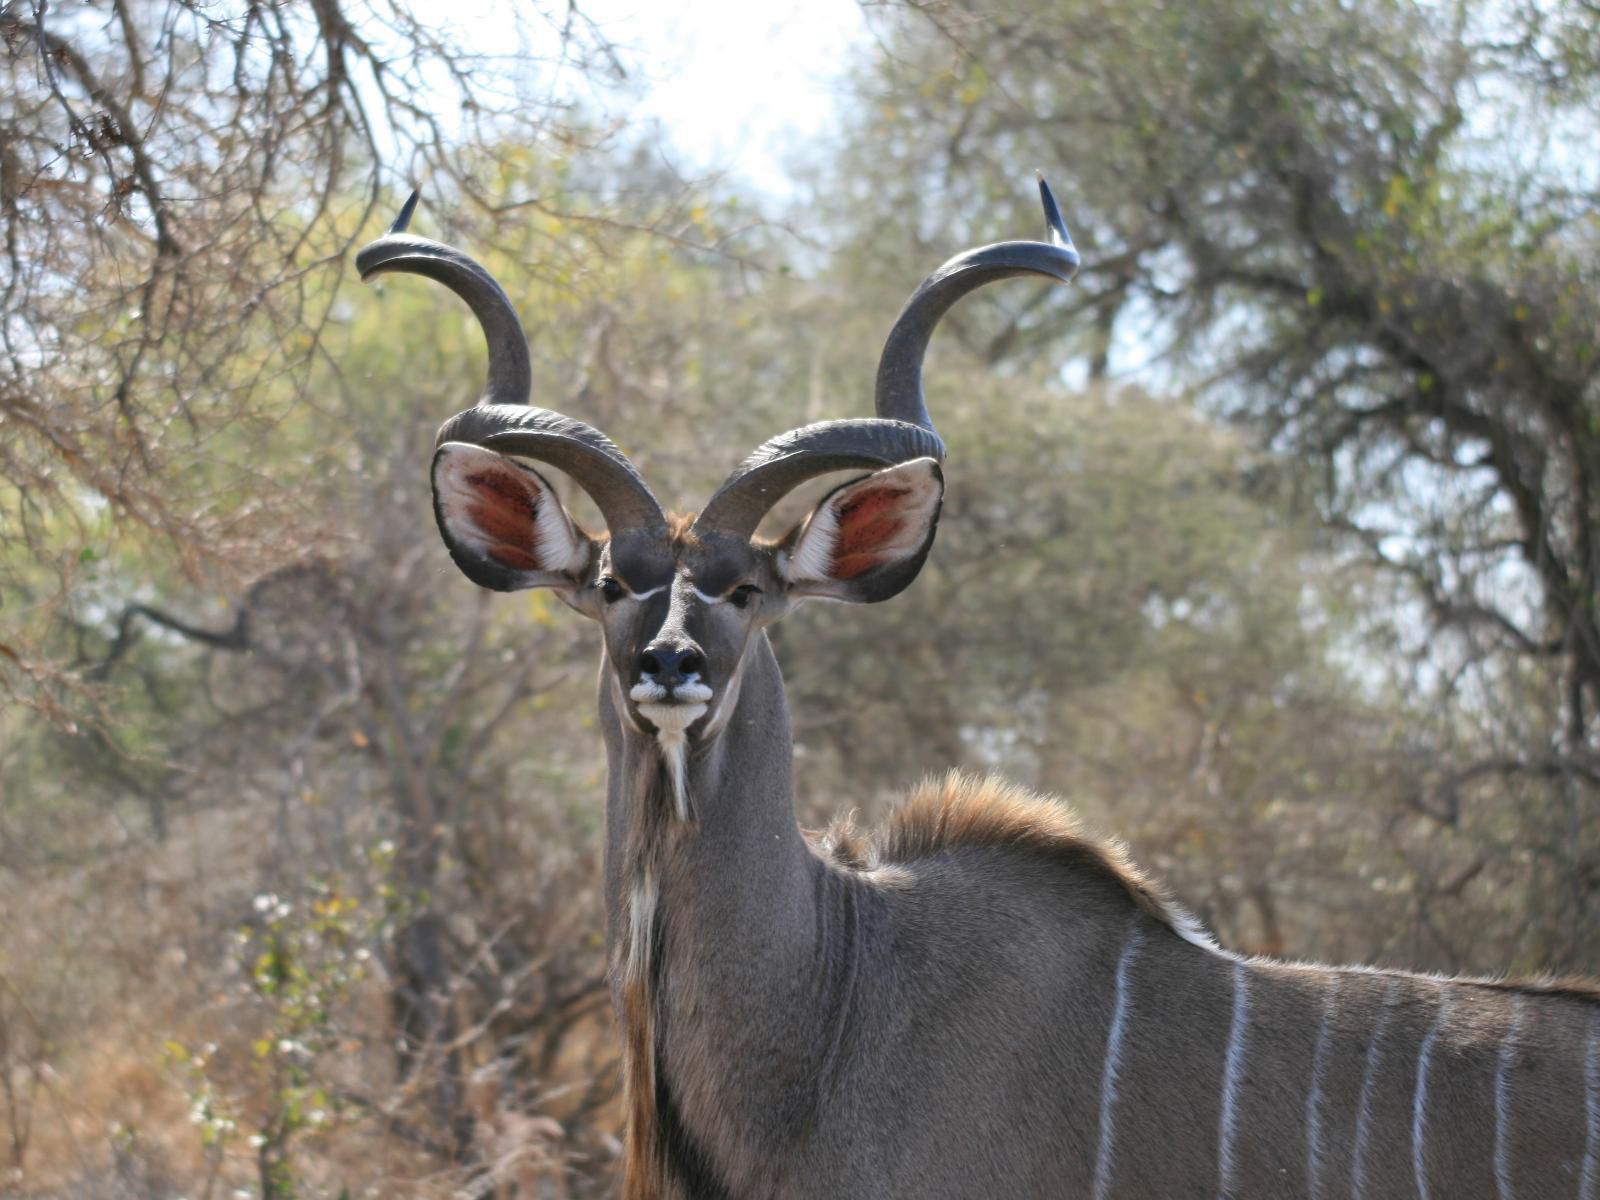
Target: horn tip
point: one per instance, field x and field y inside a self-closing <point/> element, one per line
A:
<point x="376" y="256"/>
<point x="1052" y="214"/>
<point x="410" y="207"/>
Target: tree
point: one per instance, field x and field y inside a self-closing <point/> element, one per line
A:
<point x="177" y="179"/>
<point x="186" y="605"/>
<point x="1367" y="233"/>
<point x="356" y="695"/>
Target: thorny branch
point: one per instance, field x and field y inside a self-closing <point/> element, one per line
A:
<point x="181" y="183"/>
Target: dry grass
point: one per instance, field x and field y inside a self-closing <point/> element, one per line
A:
<point x="105" y="970"/>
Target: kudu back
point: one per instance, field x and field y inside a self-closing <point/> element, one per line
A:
<point x="980" y="1000"/>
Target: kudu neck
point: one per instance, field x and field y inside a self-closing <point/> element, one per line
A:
<point x="740" y="780"/>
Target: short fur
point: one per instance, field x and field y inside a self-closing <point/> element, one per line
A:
<point x="928" y="1013"/>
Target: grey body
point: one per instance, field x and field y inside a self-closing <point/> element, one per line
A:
<point x="940" y="1027"/>
<point x="983" y="1002"/>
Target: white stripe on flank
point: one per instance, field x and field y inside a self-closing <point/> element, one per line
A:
<point x="1103" y="1163"/>
<point x="1502" y="1102"/>
<point x="1419" y="1102"/>
<point x="1232" y="1072"/>
<point x="1369" y="1083"/>
<point x="1315" y="1149"/>
<point x="1590" y="1183"/>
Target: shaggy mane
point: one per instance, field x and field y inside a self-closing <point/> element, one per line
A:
<point x="960" y="811"/>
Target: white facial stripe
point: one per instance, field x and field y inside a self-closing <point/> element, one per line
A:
<point x="1232" y="1075"/>
<point x="660" y="587"/>
<point x="618" y="699"/>
<point x="702" y="596"/>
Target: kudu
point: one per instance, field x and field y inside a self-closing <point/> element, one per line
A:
<point x="981" y="1001"/>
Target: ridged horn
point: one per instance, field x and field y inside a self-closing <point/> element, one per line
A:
<point x="503" y="420"/>
<point x="510" y="377"/>
<point x="899" y="390"/>
<point x="903" y="429"/>
<point x="782" y="464"/>
<point x="582" y="451"/>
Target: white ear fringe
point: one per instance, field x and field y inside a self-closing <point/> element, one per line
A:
<point x="811" y="561"/>
<point x="555" y="544"/>
<point x="813" y="553"/>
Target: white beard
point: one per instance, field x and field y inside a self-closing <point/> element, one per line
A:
<point x="672" y="719"/>
<point x="672" y="722"/>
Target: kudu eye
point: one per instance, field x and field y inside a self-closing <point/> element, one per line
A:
<point x="610" y="590"/>
<point x="742" y="595"/>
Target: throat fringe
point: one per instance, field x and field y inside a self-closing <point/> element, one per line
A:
<point x="673" y="753"/>
<point x="663" y="808"/>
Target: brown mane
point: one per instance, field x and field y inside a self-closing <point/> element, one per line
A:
<point x="967" y="811"/>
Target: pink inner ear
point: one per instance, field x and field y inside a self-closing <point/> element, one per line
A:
<point x="868" y="523"/>
<point x="504" y="510"/>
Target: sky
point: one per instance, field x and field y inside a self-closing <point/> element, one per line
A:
<point x="737" y="86"/>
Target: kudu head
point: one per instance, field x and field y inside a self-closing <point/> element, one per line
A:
<point x="679" y="600"/>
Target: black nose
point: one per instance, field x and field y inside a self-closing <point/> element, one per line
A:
<point x="670" y="665"/>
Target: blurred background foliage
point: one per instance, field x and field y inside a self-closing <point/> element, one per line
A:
<point x="1269" y="545"/>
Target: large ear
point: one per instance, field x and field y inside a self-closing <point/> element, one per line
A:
<point x="502" y="522"/>
<point x="868" y="538"/>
